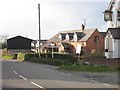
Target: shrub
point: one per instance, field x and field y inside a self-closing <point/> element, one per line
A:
<point x="28" y="56"/>
<point x="60" y="57"/>
<point x="20" y="56"/>
<point x="8" y="57"/>
<point x="48" y="61"/>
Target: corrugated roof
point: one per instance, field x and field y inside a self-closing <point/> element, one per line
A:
<point x="20" y="37"/>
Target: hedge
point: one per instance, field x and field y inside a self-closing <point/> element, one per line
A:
<point x="48" y="61"/>
<point x="59" y="59"/>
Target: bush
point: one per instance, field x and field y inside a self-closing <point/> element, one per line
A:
<point x="28" y="56"/>
<point x="48" y="61"/>
<point x="20" y="56"/>
<point x="8" y="57"/>
<point x="61" y="57"/>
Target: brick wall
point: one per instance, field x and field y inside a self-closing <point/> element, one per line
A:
<point x="104" y="61"/>
<point x="91" y="44"/>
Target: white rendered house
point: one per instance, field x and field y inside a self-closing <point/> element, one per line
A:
<point x="112" y="43"/>
<point x="112" y="39"/>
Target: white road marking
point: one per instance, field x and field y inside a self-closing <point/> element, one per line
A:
<point x="22" y="77"/>
<point x="15" y="72"/>
<point x="94" y="81"/>
<point x="37" y="85"/>
<point x="107" y="84"/>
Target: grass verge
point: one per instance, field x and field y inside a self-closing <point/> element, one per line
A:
<point x="87" y="68"/>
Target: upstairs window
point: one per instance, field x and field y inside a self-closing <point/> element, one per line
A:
<point x="118" y="15"/>
<point x="96" y="39"/>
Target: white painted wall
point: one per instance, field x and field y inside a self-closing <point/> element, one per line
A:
<point x="119" y="48"/>
<point x="109" y="44"/>
<point x="75" y="37"/>
<point x="114" y="23"/>
<point x="115" y="54"/>
<point x="67" y="37"/>
<point x="116" y="48"/>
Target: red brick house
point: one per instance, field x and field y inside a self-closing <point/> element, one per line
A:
<point x="91" y="40"/>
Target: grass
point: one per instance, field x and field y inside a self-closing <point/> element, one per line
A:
<point x="87" y="68"/>
<point x="20" y="56"/>
<point x="8" y="57"/>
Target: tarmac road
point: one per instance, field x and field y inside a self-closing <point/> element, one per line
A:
<point x="31" y="75"/>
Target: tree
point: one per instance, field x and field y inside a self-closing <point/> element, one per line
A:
<point x="3" y="41"/>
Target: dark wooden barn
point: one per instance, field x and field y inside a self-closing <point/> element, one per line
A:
<point x="19" y="44"/>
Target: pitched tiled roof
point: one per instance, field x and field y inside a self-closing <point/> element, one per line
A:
<point x="87" y="34"/>
<point x="103" y="34"/>
<point x="115" y="32"/>
<point x="65" y="45"/>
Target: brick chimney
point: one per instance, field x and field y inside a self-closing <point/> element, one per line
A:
<point x="82" y="27"/>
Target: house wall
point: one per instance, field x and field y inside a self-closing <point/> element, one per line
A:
<point x="67" y="37"/>
<point x="61" y="48"/>
<point x="75" y="37"/>
<point x="91" y="44"/>
<point x="74" y="46"/>
<point x="114" y="23"/>
<point x="113" y="46"/>
<point x="119" y="48"/>
<point x="116" y="53"/>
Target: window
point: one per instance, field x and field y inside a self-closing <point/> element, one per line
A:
<point x="118" y="15"/>
<point x="118" y="12"/>
<point x="96" y="39"/>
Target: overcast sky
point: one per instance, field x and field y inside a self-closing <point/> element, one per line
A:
<point x="20" y="17"/>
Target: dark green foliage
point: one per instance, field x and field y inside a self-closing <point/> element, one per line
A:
<point x="62" y="57"/>
<point x="59" y="59"/>
<point x="48" y="61"/>
<point x="28" y="56"/>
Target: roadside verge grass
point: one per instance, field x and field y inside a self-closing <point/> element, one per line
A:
<point x="87" y="68"/>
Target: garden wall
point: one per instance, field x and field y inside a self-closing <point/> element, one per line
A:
<point x="104" y="61"/>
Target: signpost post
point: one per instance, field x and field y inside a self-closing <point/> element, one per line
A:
<point x="52" y="45"/>
<point x="78" y="51"/>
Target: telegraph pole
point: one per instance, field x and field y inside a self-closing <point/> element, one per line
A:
<point x="39" y="29"/>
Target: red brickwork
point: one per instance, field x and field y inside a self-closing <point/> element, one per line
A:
<point x="104" y="61"/>
<point x="91" y="44"/>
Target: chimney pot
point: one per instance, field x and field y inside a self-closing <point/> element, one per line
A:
<point x="82" y="28"/>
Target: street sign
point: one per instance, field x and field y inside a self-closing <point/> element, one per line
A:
<point x="78" y="49"/>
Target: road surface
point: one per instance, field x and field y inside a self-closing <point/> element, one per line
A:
<point x="31" y="75"/>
